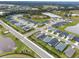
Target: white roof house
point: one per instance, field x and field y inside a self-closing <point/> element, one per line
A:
<point x="75" y="14"/>
<point x="51" y="15"/>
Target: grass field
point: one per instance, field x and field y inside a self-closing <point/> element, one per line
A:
<point x="76" y="55"/>
<point x="38" y="19"/>
<point x="16" y="56"/>
<point x="67" y="25"/>
<point x="20" y="47"/>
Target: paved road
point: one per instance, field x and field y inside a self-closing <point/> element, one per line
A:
<point x="42" y="53"/>
<point x="30" y="33"/>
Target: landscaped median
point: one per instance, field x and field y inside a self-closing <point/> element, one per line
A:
<point x="48" y="48"/>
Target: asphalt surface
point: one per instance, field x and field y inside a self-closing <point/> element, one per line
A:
<point x="42" y="53"/>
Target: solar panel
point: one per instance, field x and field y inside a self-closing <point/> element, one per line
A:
<point x="47" y="39"/>
<point x="76" y="38"/>
<point x="61" y="46"/>
<point x="53" y="42"/>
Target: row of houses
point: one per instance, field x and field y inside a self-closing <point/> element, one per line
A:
<point x="54" y="41"/>
<point x="25" y="25"/>
<point x="63" y="34"/>
<point x="60" y="46"/>
<point x="56" y="31"/>
<point x="60" y="23"/>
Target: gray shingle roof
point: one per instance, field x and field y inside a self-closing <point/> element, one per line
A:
<point x="69" y="52"/>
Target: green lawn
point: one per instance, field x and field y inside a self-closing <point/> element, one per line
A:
<point x="20" y="47"/>
<point x="16" y="56"/>
<point x="39" y="20"/>
<point x="76" y="55"/>
<point x="1" y="30"/>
